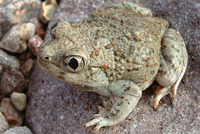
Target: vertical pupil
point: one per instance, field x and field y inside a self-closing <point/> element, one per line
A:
<point x="73" y="63"/>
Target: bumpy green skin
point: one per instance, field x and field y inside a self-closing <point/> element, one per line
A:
<point x="134" y="41"/>
<point x="121" y="45"/>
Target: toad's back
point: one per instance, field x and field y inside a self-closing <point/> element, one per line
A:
<point x="134" y="41"/>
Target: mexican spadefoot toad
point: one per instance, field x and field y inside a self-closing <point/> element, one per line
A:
<point x="118" y="51"/>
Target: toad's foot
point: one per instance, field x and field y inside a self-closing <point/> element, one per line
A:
<point x="98" y="120"/>
<point x="163" y="91"/>
<point x="160" y="93"/>
<point x="127" y="98"/>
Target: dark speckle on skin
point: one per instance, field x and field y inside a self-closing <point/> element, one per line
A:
<point x="62" y="72"/>
<point x="61" y="77"/>
<point x="152" y="72"/>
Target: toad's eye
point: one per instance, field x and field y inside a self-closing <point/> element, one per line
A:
<point x="73" y="63"/>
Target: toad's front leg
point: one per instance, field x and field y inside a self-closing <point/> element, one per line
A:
<point x="128" y="94"/>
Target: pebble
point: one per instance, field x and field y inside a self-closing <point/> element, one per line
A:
<point x="27" y="67"/>
<point x="3" y="123"/>
<point x="18" y="130"/>
<point x="27" y="30"/>
<point x="26" y="55"/>
<point x="12" y="115"/>
<point x="39" y="31"/>
<point x="1" y="97"/>
<point x="34" y="43"/>
<point x="12" y="81"/>
<point x="18" y="11"/>
<point x="1" y="71"/>
<point x="15" y="40"/>
<point x="48" y="10"/>
<point x="18" y="100"/>
<point x="8" y="61"/>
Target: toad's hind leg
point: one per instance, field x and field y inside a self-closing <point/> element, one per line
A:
<point x="173" y="63"/>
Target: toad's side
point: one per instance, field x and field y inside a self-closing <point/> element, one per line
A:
<point x="118" y="51"/>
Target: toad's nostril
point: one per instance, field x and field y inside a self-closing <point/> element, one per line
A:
<point x="41" y="47"/>
<point x="46" y="58"/>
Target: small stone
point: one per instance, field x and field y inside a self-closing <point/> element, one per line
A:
<point x="18" y="130"/>
<point x="48" y="9"/>
<point x="1" y="70"/>
<point x="1" y="96"/>
<point x="12" y="81"/>
<point x="3" y="123"/>
<point x="26" y="55"/>
<point x="40" y="32"/>
<point x="12" y="115"/>
<point x="8" y="61"/>
<point x="15" y="40"/>
<point x="18" y="100"/>
<point x="27" y="67"/>
<point x="27" y="30"/>
<point x="34" y="44"/>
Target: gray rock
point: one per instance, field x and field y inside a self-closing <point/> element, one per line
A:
<point x="4" y="124"/>
<point x="15" y="40"/>
<point x="18" y="130"/>
<point x="8" y="61"/>
<point x="55" y="107"/>
<point x="12" y="81"/>
<point x="19" y="11"/>
<point x="18" y="100"/>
